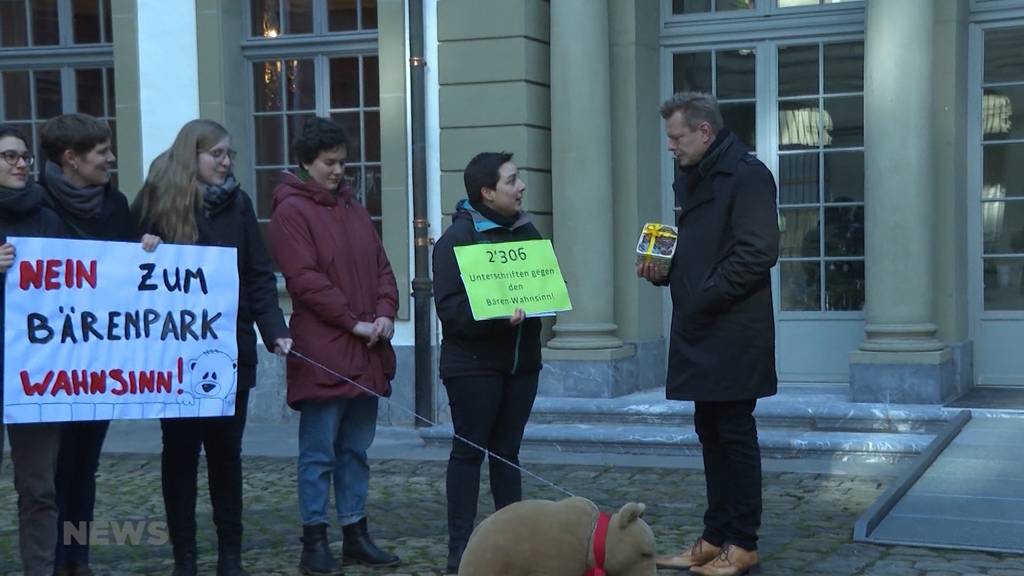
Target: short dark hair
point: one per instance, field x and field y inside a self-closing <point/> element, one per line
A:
<point x="9" y="130"/>
<point x="695" y="107"/>
<point x="483" y="171"/>
<point x="318" y="134"/>
<point x="79" y="133"/>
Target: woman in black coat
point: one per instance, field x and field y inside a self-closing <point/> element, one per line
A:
<point x="191" y="197"/>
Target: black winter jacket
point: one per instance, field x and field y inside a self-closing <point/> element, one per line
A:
<point x="233" y="224"/>
<point x="469" y="347"/>
<point x="722" y="345"/>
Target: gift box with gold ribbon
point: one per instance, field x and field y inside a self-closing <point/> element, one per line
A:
<point x="657" y="244"/>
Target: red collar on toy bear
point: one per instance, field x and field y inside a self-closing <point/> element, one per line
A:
<point x="599" y="538"/>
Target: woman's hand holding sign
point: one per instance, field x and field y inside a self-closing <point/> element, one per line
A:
<point x="6" y="257"/>
<point x="150" y="242"/>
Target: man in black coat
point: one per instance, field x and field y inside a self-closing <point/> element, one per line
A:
<point x="722" y="346"/>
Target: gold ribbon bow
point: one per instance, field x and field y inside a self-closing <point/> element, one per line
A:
<point x="655" y="231"/>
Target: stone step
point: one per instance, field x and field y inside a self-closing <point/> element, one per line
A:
<point x="682" y="441"/>
<point x="828" y="412"/>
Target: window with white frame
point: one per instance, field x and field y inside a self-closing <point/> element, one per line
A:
<point x="1002" y="186"/>
<point x="729" y="74"/>
<point x="314" y="58"/>
<point x="56" y="57"/>
<point x="821" y="176"/>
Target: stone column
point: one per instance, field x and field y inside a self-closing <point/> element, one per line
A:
<point x="581" y="173"/>
<point x="900" y="359"/>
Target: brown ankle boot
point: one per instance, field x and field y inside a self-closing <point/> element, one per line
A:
<point x="701" y="552"/>
<point x="732" y="561"/>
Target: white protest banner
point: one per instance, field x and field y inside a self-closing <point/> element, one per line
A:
<point x="104" y="330"/>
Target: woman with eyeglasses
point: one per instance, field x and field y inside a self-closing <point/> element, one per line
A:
<point x="77" y="186"/>
<point x="191" y="197"/>
<point x="34" y="447"/>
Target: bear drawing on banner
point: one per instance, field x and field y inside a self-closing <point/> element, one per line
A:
<point x="213" y="375"/>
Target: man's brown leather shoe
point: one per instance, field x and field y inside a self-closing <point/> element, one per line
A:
<point x="701" y="552"/>
<point x="731" y="561"/>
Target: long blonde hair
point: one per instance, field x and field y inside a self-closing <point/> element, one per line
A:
<point x="171" y="194"/>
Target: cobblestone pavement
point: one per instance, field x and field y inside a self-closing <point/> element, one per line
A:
<point x="807" y="530"/>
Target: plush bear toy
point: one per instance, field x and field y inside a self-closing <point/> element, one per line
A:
<point x="564" y="538"/>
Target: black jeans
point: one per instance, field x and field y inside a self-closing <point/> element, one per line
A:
<point x="490" y="411"/>
<point x="732" y="471"/>
<point x="80" y="446"/>
<point x="221" y="437"/>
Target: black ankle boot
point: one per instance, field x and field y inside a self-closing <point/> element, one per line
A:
<point x="316" y="556"/>
<point x="185" y="562"/>
<point x="358" y="547"/>
<point x="229" y="563"/>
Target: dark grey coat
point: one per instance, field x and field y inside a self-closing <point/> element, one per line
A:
<point x="722" y="345"/>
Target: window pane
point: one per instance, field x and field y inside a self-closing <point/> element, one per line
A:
<point x="844" y="122"/>
<point x="344" y="83"/>
<point x="298" y="16"/>
<point x="371" y="190"/>
<point x="1003" y="227"/>
<point x="270" y="144"/>
<point x="48" y="94"/>
<point x="1002" y="113"/>
<point x="16" y="96"/>
<point x="723" y="5"/>
<point x="369" y="14"/>
<point x="844" y="285"/>
<point x="349" y="121"/>
<point x="735" y="73"/>
<point x="740" y="117"/>
<point x="844" y="67"/>
<point x="108" y="26"/>
<point x="266" y="180"/>
<point x="89" y="88"/>
<point x="111" y="93"/>
<point x="45" y="31"/>
<point x="372" y="135"/>
<point x="844" y="231"/>
<point x="1004" y="55"/>
<point x="1004" y="284"/>
<point x="341" y="15"/>
<point x="86" y="19"/>
<point x="266" y="20"/>
<point x="798" y="124"/>
<point x="844" y="176"/>
<point x="798" y="70"/>
<point x="691" y="72"/>
<point x="798" y="178"/>
<point x="113" y="137"/>
<point x="354" y="180"/>
<point x="799" y="233"/>
<point x="801" y="285"/>
<point x="300" y="91"/>
<point x="266" y="79"/>
<point x="371" y="82"/>
<point x="294" y="126"/>
<point x="1003" y="172"/>
<point x="690" y="6"/>
<point x="794" y="3"/>
<point x="13" y="23"/>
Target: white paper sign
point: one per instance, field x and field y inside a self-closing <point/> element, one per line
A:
<point x="105" y="331"/>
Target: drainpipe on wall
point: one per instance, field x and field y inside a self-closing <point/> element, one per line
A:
<point x="421" y="283"/>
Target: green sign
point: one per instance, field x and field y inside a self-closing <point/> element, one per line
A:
<point x="502" y="277"/>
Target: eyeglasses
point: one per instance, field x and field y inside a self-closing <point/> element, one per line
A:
<point x="218" y="154"/>
<point x="12" y="157"/>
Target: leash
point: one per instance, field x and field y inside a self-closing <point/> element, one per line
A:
<point x="416" y="416"/>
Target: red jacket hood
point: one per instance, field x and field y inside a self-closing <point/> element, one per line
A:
<point x="292" y="185"/>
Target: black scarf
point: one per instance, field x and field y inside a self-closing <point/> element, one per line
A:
<point x="20" y="200"/>
<point x="82" y="202"/>
<point x="217" y="197"/>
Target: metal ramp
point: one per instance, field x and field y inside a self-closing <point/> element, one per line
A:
<point x="965" y="492"/>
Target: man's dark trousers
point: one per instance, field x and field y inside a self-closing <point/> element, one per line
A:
<point x="732" y="470"/>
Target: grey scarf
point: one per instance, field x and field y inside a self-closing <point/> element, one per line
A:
<point x="216" y="198"/>
<point x="82" y="202"/>
<point x="20" y="200"/>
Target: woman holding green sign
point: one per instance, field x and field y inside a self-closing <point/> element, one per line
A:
<point x="490" y="368"/>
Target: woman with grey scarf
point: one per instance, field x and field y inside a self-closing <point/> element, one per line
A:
<point x="76" y="184"/>
<point x="191" y="197"/>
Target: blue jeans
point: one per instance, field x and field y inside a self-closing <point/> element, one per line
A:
<point x="333" y="438"/>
